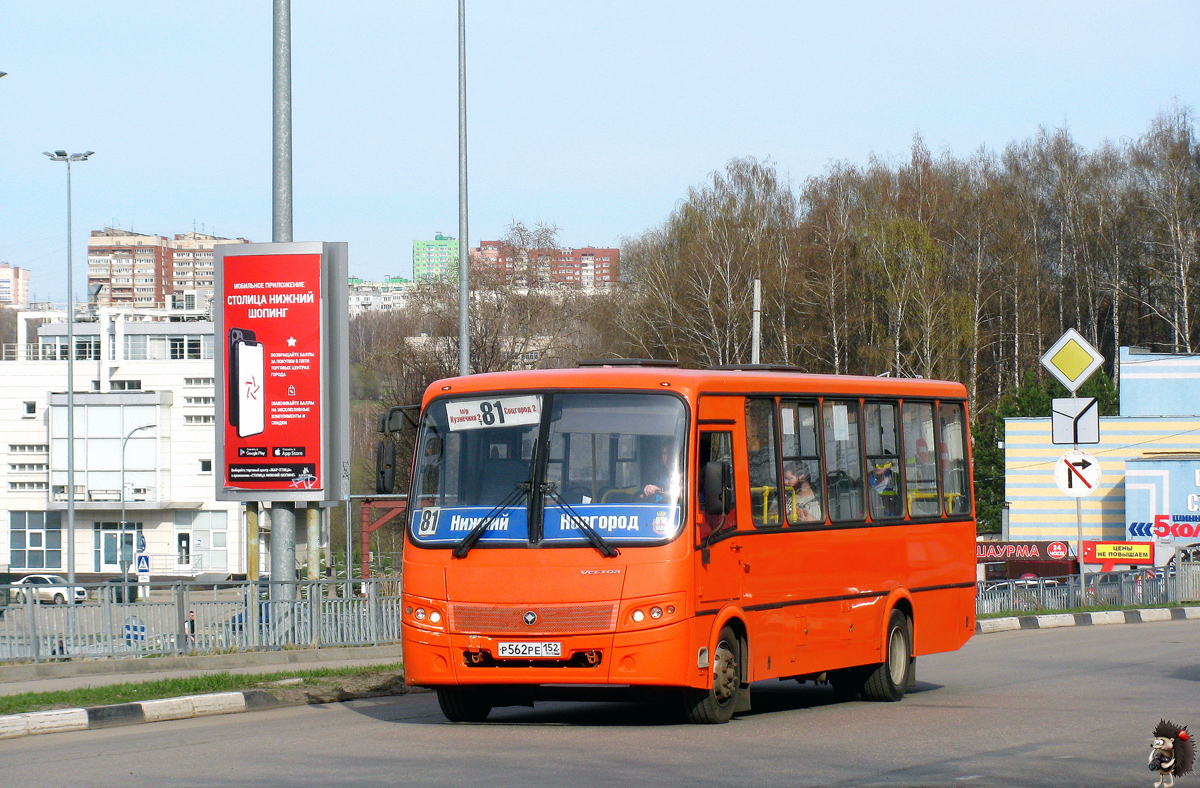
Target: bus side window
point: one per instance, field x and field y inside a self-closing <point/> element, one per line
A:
<point x="761" y="462"/>
<point x="885" y="484"/>
<point x="954" y="460"/>
<point x="920" y="466"/>
<point x="802" y="474"/>
<point x="714" y="447"/>
<point x="843" y="462"/>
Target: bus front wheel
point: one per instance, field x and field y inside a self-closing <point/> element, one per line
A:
<point x="463" y="705"/>
<point x="716" y="705"/>
<point x="888" y="680"/>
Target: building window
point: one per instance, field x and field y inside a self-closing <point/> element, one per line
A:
<point x="200" y="419"/>
<point x="30" y="410"/>
<point x="197" y="381"/>
<point x="125" y="385"/>
<point x="27" y="467"/>
<point x="199" y="400"/>
<point x="206" y="466"/>
<point x="28" y="486"/>
<point x="35" y="540"/>
<point x="28" y="448"/>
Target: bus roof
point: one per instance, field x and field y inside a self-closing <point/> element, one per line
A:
<point x="694" y="382"/>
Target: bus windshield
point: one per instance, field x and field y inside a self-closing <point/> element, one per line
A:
<point x="533" y="465"/>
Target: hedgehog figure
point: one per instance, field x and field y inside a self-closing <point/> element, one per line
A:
<point x="1172" y="753"/>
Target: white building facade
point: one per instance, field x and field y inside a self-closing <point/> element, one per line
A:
<point x="144" y="444"/>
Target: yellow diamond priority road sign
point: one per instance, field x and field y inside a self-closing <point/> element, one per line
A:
<point x="1072" y="360"/>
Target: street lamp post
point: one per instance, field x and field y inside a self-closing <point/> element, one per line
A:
<point x="62" y="155"/>
<point x="121" y="530"/>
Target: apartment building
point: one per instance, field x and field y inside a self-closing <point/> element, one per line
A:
<point x="192" y="278"/>
<point x="436" y="259"/>
<point x="588" y="268"/>
<point x="128" y="268"/>
<point x="144" y="442"/>
<point x="14" y="285"/>
<point x="386" y="296"/>
<point x="135" y="269"/>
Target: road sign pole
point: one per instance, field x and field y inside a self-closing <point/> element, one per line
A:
<point x="1079" y="543"/>
<point x="1079" y="548"/>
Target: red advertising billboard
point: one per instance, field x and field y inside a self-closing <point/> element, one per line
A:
<point x="283" y="385"/>
<point x="272" y="364"/>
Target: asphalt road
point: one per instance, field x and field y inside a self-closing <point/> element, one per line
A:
<point x="1062" y="707"/>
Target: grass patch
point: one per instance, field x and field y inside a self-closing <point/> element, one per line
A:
<point x="173" y="688"/>
<point x="1088" y="609"/>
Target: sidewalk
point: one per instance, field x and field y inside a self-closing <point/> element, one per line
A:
<point x="52" y="676"/>
<point x="984" y="626"/>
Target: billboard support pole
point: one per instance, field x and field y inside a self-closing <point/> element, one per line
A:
<point x="283" y="524"/>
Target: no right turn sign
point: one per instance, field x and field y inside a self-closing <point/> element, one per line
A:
<point x="1077" y="474"/>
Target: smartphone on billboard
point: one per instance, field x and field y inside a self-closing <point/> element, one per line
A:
<point x="247" y="386"/>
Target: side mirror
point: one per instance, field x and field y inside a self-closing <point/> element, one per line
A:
<point x="385" y="467"/>
<point x="717" y="487"/>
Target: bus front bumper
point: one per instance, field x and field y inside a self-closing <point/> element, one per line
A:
<point x="659" y="656"/>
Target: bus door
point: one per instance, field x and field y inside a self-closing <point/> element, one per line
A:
<point x="719" y="569"/>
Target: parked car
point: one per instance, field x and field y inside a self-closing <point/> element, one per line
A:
<point x="48" y="588"/>
<point x="1106" y="589"/>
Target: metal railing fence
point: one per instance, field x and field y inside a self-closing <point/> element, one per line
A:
<point x="130" y="620"/>
<point x="119" y="620"/>
<point x="1105" y="589"/>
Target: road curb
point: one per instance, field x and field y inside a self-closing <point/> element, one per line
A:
<point x="34" y="723"/>
<point x="1054" y="620"/>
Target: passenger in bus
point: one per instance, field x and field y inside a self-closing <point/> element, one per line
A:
<point x="803" y="504"/>
<point x="885" y="488"/>
<point x="662" y="478"/>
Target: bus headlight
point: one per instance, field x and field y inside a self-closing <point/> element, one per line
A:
<point x="652" y="611"/>
<point x="425" y="613"/>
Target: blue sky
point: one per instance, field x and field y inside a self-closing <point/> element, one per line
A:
<point x="596" y="116"/>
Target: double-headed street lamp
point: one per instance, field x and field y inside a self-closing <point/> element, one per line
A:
<point x="121" y="531"/>
<point x="62" y="155"/>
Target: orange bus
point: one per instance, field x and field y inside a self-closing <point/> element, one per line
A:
<point x="631" y="525"/>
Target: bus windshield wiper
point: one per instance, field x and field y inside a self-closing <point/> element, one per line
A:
<point x="462" y="548"/>
<point x="597" y="541"/>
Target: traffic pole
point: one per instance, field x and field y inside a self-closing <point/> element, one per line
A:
<point x="1079" y="540"/>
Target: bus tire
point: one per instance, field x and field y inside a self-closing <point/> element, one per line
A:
<point x="715" y="706"/>
<point x="887" y="682"/>
<point x="463" y="705"/>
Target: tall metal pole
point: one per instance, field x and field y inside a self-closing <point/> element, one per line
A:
<point x="281" y="170"/>
<point x="62" y="155"/>
<point x="283" y="514"/>
<point x="70" y="396"/>
<point x="464" y="246"/>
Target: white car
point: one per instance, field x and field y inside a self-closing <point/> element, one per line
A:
<point x="48" y="588"/>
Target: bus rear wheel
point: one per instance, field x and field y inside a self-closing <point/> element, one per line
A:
<point x="888" y="680"/>
<point x="716" y="705"/>
<point x="463" y="705"/>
